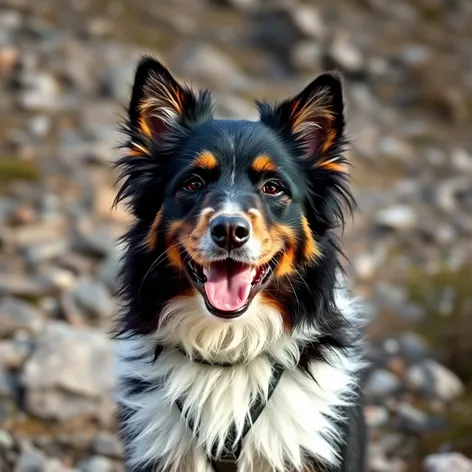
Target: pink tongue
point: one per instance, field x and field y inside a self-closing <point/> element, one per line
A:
<point x="228" y="285"/>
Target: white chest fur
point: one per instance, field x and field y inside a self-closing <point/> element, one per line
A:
<point x="297" y="422"/>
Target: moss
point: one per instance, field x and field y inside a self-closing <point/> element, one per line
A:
<point x="448" y="331"/>
<point x="12" y="169"/>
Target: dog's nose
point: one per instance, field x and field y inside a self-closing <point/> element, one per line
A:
<point x="230" y="232"/>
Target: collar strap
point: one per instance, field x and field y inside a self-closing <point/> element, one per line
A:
<point x="200" y="360"/>
<point x="232" y="450"/>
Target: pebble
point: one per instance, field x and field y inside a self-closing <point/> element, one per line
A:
<point x="31" y="460"/>
<point x="398" y="217"/>
<point x="107" y="444"/>
<point x="94" y="298"/>
<point x="376" y="416"/>
<point x="23" y="286"/>
<point x="204" y="62"/>
<point x="118" y="79"/>
<point x="71" y="359"/>
<point x="306" y="56"/>
<point x="448" y="462"/>
<point x="96" y="464"/>
<point x="14" y="352"/>
<point x="308" y="21"/>
<point x="6" y="440"/>
<point x="345" y="54"/>
<point x="382" y="383"/>
<point x="41" y="91"/>
<point x="462" y="160"/>
<point x="411" y="419"/>
<point x="17" y="315"/>
<point x="431" y="378"/>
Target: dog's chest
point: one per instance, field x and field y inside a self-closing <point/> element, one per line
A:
<point x="297" y="422"/>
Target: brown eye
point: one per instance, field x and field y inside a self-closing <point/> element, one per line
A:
<point x="193" y="184"/>
<point x="272" y="188"/>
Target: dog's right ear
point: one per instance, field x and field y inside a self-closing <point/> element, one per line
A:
<point x="160" y="104"/>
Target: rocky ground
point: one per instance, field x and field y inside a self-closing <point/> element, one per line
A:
<point x="66" y="69"/>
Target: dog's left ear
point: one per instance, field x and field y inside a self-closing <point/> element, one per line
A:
<point x="160" y="104"/>
<point x="314" y="119"/>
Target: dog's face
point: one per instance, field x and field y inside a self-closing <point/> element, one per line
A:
<point x="236" y="208"/>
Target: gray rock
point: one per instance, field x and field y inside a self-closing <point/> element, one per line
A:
<point x="39" y="125"/>
<point x="430" y="377"/>
<point x="411" y="418"/>
<point x="461" y="160"/>
<point x="382" y="383"/>
<point x="413" y="347"/>
<point x="6" y="441"/>
<point x="390" y="146"/>
<point x="244" y="5"/>
<point x="283" y="26"/>
<point x="14" y="352"/>
<point x="446" y="192"/>
<point x="10" y="20"/>
<point x="415" y="55"/>
<point x="378" y="462"/>
<point x="7" y="385"/>
<point x="31" y="460"/>
<point x="398" y="217"/>
<point x="23" y="286"/>
<point x="117" y="81"/>
<point x="77" y="360"/>
<point x="17" y="315"/>
<point x="376" y="416"/>
<point x="308" y="21"/>
<point x="41" y="92"/>
<point x="346" y="55"/>
<point x="95" y="241"/>
<point x="96" y="464"/>
<point x="46" y="251"/>
<point x="306" y="56"/>
<point x="448" y="462"/>
<point x="94" y="297"/>
<point x="59" y="405"/>
<point x="55" y="465"/>
<point x="203" y="62"/>
<point x="107" y="444"/>
<point x="108" y="270"/>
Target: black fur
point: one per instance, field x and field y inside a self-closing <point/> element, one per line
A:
<point x="151" y="181"/>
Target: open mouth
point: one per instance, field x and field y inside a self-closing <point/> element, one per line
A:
<point x="228" y="286"/>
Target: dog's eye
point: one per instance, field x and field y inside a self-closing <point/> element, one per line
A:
<point x="193" y="184"/>
<point x="272" y="187"/>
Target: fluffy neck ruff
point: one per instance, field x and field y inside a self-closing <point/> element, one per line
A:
<point x="297" y="425"/>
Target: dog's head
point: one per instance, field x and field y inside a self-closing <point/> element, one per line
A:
<point x="233" y="209"/>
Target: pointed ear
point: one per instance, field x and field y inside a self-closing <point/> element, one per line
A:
<point x="314" y="119"/>
<point x="159" y="103"/>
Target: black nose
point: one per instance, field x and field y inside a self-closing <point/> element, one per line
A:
<point x="230" y="232"/>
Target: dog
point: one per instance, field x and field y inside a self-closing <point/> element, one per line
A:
<point x="239" y="343"/>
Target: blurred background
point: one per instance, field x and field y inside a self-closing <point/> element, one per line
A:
<point x="66" y="69"/>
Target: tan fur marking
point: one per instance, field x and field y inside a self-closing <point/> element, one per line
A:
<point x="332" y="165"/>
<point x="206" y="160"/>
<point x="307" y="116"/>
<point x="145" y="127"/>
<point x="286" y="263"/>
<point x="270" y="300"/>
<point x="310" y="251"/>
<point x="263" y="163"/>
<point x="260" y="230"/>
<point x="285" y="237"/>
<point x="330" y="136"/>
<point x="151" y="239"/>
<point x="172" y="240"/>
